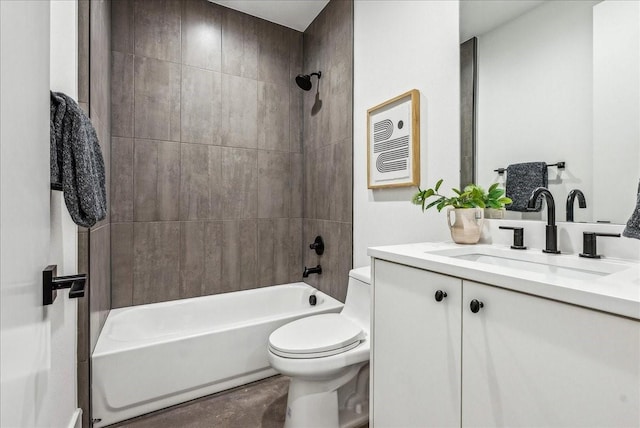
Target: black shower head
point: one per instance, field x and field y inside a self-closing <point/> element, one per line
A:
<point x="304" y="80"/>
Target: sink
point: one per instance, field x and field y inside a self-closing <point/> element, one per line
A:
<point x="534" y="261"/>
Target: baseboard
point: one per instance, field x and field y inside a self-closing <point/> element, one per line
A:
<point x="76" y="419"/>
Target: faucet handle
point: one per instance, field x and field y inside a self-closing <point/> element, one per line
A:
<point x="589" y="248"/>
<point x="518" y="237"/>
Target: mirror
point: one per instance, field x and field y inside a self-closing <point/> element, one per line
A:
<point x="557" y="81"/>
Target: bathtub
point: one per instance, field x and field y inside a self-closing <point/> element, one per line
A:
<point x="153" y="356"/>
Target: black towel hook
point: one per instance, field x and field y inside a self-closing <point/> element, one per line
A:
<point x="560" y="165"/>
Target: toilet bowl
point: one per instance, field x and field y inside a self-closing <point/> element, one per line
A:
<point x="327" y="358"/>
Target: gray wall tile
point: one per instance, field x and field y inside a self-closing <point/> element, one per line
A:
<point x="273" y="117"/>
<point x="157" y="29"/>
<point x="156" y="99"/>
<point x="99" y="60"/>
<point x="122" y="95"/>
<point x="239" y="44"/>
<point x="328" y="146"/>
<point x="279" y="243"/>
<point x="239" y="255"/>
<point x="83" y="52"/>
<point x="200" y="106"/>
<point x="201" y="258"/>
<point x="100" y="272"/>
<point x="297" y="185"/>
<point x="200" y="182"/>
<point x="202" y="34"/>
<point x="239" y="183"/>
<point x="168" y="181"/>
<point x="187" y="71"/>
<point x="156" y="266"/>
<point x="273" y="53"/>
<point x="239" y="111"/>
<point x="121" y="179"/>
<point x="82" y="346"/>
<point x="121" y="264"/>
<point x="274" y="184"/>
<point x="156" y="180"/>
<point x="122" y="26"/>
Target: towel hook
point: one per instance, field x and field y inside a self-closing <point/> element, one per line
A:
<point x="560" y="165"/>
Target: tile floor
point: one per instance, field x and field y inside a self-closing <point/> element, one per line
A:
<point x="257" y="405"/>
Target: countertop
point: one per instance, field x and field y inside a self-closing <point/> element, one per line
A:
<point x="617" y="293"/>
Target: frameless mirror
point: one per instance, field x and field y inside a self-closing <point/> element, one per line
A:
<point x="557" y="81"/>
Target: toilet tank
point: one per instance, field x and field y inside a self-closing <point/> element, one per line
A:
<point x="357" y="305"/>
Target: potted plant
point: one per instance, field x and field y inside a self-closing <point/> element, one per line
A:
<point x="467" y="206"/>
<point x="494" y="202"/>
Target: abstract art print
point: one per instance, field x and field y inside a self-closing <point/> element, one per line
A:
<point x="393" y="142"/>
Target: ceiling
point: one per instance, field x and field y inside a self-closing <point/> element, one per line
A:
<point x="478" y="17"/>
<point x="296" y="14"/>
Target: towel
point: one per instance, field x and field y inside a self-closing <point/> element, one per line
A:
<point x="633" y="225"/>
<point x="76" y="161"/>
<point x="522" y="180"/>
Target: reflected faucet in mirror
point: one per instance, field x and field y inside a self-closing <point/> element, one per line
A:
<point x="551" y="245"/>
<point x="582" y="202"/>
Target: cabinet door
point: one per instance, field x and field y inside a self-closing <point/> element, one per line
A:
<point x="416" y="348"/>
<point x="529" y="361"/>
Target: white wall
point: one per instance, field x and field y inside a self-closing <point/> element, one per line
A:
<point x="398" y="46"/>
<point x="37" y="361"/>
<point x="535" y="98"/>
<point x="63" y="249"/>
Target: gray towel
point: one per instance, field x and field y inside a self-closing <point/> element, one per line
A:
<point x="522" y="180"/>
<point x="76" y="161"/>
<point x="633" y="225"/>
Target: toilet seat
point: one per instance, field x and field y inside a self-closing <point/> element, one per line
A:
<point x="315" y="337"/>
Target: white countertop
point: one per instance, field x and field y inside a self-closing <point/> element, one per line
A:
<point x="617" y="293"/>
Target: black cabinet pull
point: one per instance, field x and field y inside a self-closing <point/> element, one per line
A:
<point x="475" y="306"/>
<point x="440" y="295"/>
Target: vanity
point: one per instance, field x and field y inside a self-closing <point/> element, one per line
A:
<point x="484" y="335"/>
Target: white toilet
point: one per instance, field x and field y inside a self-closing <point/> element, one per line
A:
<point x="327" y="358"/>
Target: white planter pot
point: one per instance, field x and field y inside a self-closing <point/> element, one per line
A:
<point x="467" y="224"/>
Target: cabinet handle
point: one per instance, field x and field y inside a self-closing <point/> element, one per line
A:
<point x="475" y="306"/>
<point x="440" y="295"/>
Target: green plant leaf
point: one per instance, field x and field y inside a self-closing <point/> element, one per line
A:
<point x="438" y="184"/>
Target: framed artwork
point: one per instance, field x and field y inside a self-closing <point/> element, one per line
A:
<point x="393" y="142"/>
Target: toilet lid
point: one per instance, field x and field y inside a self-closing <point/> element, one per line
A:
<point x="316" y="336"/>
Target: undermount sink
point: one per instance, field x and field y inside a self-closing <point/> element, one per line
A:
<point x="566" y="266"/>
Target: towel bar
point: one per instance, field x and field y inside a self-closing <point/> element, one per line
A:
<point x="51" y="283"/>
<point x="560" y="165"/>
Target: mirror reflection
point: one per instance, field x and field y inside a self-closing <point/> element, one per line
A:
<point x="559" y="81"/>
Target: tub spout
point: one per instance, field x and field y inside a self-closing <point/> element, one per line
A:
<point x="307" y="271"/>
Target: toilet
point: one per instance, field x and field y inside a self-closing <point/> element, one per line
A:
<point x="327" y="358"/>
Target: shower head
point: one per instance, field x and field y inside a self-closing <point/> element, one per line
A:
<point x="304" y="80"/>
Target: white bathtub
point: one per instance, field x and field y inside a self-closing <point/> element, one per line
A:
<point x="152" y="356"/>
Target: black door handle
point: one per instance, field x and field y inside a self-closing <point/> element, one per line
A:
<point x="475" y="306"/>
<point x="440" y="295"/>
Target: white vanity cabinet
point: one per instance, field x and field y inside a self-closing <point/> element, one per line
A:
<point x="415" y="348"/>
<point x="520" y="360"/>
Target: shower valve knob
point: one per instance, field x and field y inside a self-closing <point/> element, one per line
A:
<point x="317" y="245"/>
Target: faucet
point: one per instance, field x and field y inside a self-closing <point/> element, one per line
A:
<point x="571" y="198"/>
<point x="551" y="246"/>
<point x="307" y="271"/>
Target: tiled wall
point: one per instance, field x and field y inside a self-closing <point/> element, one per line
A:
<point x="94" y="96"/>
<point x="328" y="146"/>
<point x="206" y="151"/>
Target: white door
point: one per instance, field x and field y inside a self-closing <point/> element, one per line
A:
<point x="533" y="362"/>
<point x="37" y="343"/>
<point x="416" y="348"/>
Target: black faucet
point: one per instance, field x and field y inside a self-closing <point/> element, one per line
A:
<point x="582" y="202"/>
<point x="307" y="271"/>
<point x="551" y="246"/>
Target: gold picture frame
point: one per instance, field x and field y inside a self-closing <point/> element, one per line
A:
<point x="393" y="151"/>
